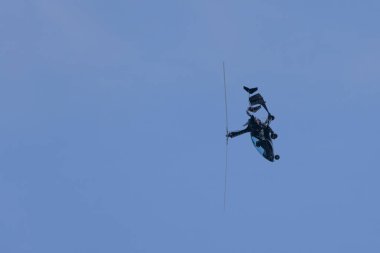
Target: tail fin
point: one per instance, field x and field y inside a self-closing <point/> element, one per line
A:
<point x="250" y="90"/>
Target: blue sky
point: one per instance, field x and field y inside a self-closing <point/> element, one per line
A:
<point x="112" y="126"/>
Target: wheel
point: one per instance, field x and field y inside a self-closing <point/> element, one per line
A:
<point x="274" y="136"/>
<point x="276" y="157"/>
<point x="271" y="117"/>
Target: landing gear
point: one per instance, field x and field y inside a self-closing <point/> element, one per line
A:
<point x="271" y="117"/>
<point x="258" y="144"/>
<point x="276" y="157"/>
<point x="273" y="136"/>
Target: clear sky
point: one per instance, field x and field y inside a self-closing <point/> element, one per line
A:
<point x="112" y="126"/>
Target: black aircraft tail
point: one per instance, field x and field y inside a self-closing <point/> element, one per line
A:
<point x="257" y="99"/>
<point x="254" y="108"/>
<point x="250" y="90"/>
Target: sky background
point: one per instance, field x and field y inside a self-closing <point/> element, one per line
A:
<point x="112" y="126"/>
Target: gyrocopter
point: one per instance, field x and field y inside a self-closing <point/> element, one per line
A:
<point x="261" y="132"/>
